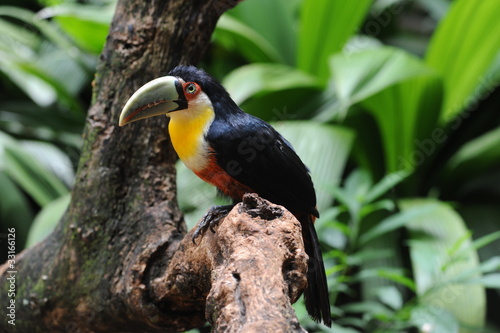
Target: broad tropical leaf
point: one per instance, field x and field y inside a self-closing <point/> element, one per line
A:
<point x="15" y="209"/>
<point x="262" y="17"/>
<point x="252" y="79"/>
<point x="47" y="219"/>
<point x="360" y="75"/>
<point x="407" y="113"/>
<point x="88" y="24"/>
<point x="463" y="49"/>
<point x="476" y="156"/>
<point x="29" y="173"/>
<point x="441" y="250"/>
<point x="325" y="27"/>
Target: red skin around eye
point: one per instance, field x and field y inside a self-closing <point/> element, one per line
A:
<point x="190" y="96"/>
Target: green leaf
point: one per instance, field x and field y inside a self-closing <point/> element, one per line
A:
<point x="367" y="308"/>
<point x="434" y="319"/>
<point x="401" y="93"/>
<point x="490" y="265"/>
<point x="332" y="234"/>
<point x="29" y="173"/>
<point x="462" y="49"/>
<point x="398" y="278"/>
<point x="48" y="68"/>
<point x="387" y="268"/>
<point x="87" y="24"/>
<point x="340" y="329"/>
<point x="348" y="200"/>
<point x="46" y="28"/>
<point x="47" y="219"/>
<point x="406" y="114"/>
<point x="37" y="89"/>
<point x="360" y="75"/>
<point x="358" y="184"/>
<point x="475" y="157"/>
<point x="288" y="104"/>
<point x="390" y="296"/>
<point x="385" y="204"/>
<point x="249" y="80"/>
<point x="468" y="276"/>
<point x="15" y="34"/>
<point x="484" y="219"/>
<point x="51" y="158"/>
<point x="49" y="124"/>
<point x="368" y="254"/>
<point x="394" y="222"/>
<point x="432" y="235"/>
<point x="352" y="194"/>
<point x="65" y="88"/>
<point x="250" y="43"/>
<point x="325" y="26"/>
<point x="384" y="185"/>
<point x="486" y="240"/>
<point x="274" y="21"/>
<point x="88" y="35"/>
<point x="15" y="210"/>
<point x="487" y="281"/>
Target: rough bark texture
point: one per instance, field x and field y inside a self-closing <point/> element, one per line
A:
<point x="249" y="271"/>
<point x="93" y="274"/>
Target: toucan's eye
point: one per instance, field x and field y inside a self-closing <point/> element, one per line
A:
<point x="191" y="88"/>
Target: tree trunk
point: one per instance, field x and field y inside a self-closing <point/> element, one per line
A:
<point x="93" y="274"/>
<point x="118" y="261"/>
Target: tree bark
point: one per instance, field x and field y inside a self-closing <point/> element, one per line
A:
<point x="94" y="272"/>
<point x="248" y="272"/>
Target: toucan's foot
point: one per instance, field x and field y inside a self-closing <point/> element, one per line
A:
<point x="211" y="219"/>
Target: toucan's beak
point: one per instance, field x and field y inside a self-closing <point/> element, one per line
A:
<point x="157" y="97"/>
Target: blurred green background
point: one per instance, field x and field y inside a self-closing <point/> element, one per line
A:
<point x="394" y="105"/>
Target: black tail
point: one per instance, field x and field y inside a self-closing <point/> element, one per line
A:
<point x="316" y="294"/>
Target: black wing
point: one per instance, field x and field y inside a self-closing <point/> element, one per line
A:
<point x="256" y="155"/>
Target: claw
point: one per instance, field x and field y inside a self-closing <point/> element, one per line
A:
<point x="210" y="220"/>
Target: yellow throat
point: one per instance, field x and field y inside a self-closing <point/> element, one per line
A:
<point x="187" y="129"/>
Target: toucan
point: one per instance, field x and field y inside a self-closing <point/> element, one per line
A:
<point x="238" y="153"/>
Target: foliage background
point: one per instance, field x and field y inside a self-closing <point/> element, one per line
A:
<point x="392" y="104"/>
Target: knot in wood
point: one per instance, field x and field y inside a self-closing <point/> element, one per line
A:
<point x="255" y="206"/>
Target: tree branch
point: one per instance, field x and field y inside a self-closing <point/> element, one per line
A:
<point x="249" y="271"/>
<point x="93" y="273"/>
